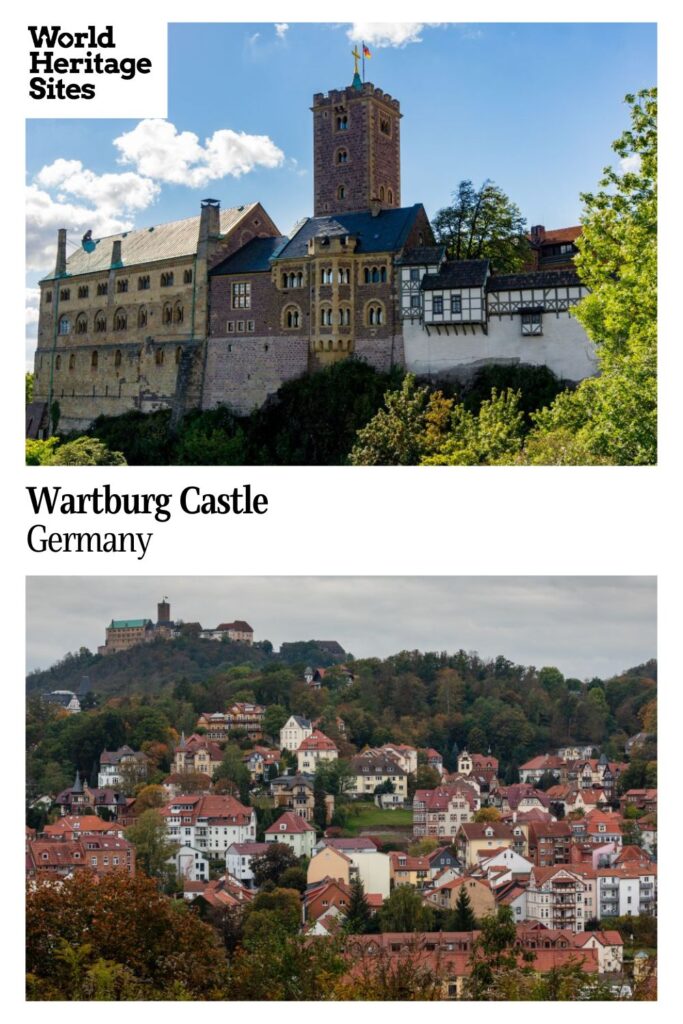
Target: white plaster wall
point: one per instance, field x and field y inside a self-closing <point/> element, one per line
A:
<point x="564" y="347"/>
<point x="374" y="871"/>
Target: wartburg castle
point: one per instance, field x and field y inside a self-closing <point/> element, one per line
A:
<point x="223" y="309"/>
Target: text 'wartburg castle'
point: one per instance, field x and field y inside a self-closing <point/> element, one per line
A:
<point x="223" y="309"/>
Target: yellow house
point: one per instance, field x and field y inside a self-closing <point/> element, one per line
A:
<point x="481" y="898"/>
<point x="407" y="870"/>
<point x="476" y="838"/>
<point x="329" y="863"/>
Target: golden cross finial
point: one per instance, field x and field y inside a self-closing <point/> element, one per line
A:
<point x="356" y="57"/>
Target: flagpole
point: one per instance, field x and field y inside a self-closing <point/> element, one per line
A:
<point x="362" y="50"/>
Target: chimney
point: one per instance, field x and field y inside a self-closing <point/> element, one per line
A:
<point x="537" y="233"/>
<point x="60" y="265"/>
<point x="375" y="207"/>
<point x="116" y="253"/>
<point x="210" y="219"/>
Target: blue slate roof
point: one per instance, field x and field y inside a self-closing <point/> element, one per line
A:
<point x="387" y="232"/>
<point x="253" y="257"/>
<point x="458" y="274"/>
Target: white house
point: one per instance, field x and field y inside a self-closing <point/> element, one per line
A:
<point x="293" y="831"/>
<point x="191" y="865"/>
<point x="238" y="860"/>
<point x="316" y="747"/>
<point x="294" y="732"/>
<point x="457" y="317"/>
<point x="211" y="823"/>
<point x="374" y="870"/>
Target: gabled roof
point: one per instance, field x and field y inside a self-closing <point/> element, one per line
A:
<point x="146" y="245"/>
<point x="254" y="257"/>
<point x="387" y="232"/>
<point x="317" y="741"/>
<point x="458" y="274"/>
<point x="130" y="623"/>
<point x="294" y="825"/>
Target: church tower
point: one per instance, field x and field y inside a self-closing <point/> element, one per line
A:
<point x="356" y="149"/>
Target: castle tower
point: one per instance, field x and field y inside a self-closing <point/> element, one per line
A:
<point x="356" y="149"/>
<point x="163" y="612"/>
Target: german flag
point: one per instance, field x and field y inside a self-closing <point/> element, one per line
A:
<point x="366" y="51"/>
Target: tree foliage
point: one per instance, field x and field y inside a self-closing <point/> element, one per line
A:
<point x="483" y="223"/>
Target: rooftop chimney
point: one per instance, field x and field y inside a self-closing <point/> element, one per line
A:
<point x="116" y="253"/>
<point x="210" y="219"/>
<point x="60" y="265"/>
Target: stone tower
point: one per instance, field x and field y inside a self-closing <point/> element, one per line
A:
<point x="356" y="150"/>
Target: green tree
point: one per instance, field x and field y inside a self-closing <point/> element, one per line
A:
<point x="233" y="769"/>
<point x="483" y="223"/>
<point x="494" y="957"/>
<point x="28" y="383"/>
<point x="358" y="914"/>
<point x="463" y="919"/>
<point x="153" y="849"/>
<point x="273" y="720"/>
<point x="85" y="451"/>
<point x="40" y="453"/>
<point x="613" y="418"/>
<point x="269" y="866"/>
<point x="493" y="437"/>
<point x="404" y="911"/>
<point x="404" y="431"/>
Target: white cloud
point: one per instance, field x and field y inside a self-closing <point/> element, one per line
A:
<point x="630" y="164"/>
<point x="32" y="304"/>
<point x="281" y="29"/>
<point x="110" y="192"/>
<point x="45" y="215"/>
<point x="389" y="33"/>
<point x="159" y="151"/>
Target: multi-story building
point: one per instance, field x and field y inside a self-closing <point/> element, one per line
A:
<point x="238" y="631"/>
<point x="440" y="812"/>
<point x="102" y="854"/>
<point x="555" y="898"/>
<point x="549" y="843"/>
<point x="371" y="770"/>
<point x="122" y="765"/>
<point x="316" y="747"/>
<point x="293" y="831"/>
<point x="238" y="860"/>
<point x="122" y="634"/>
<point x="295" y="793"/>
<point x="295" y="730"/>
<point x="209" y="823"/>
<point x="196" y="754"/>
<point x="474" y="839"/>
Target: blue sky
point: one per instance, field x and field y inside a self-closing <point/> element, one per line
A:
<point x="534" y="107"/>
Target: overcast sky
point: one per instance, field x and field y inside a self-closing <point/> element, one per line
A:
<point x="586" y="626"/>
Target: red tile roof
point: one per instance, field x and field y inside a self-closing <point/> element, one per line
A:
<point x="294" y="824"/>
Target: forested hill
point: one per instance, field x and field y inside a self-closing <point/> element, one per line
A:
<point x="155" y="667"/>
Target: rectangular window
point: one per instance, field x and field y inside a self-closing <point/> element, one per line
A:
<point x="414" y="273"/>
<point x="241" y="295"/>
<point x="456" y="304"/>
<point x="437" y="304"/>
<point x="250" y="326"/>
<point x="231" y="326"/>
<point x="240" y="326"/>
<point x="414" y="301"/>
<point x="532" y="322"/>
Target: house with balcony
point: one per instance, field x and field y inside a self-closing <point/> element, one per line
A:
<point x="555" y="898"/>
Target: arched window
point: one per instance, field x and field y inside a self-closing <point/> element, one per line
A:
<point x="344" y="275"/>
<point x="64" y="325"/>
<point x="342" y="156"/>
<point x="117" y="357"/>
<point x="345" y="316"/>
<point x="342" y="123"/>
<point x="120" y="320"/>
<point x="375" y="314"/>
<point x="167" y="315"/>
<point x="375" y="275"/>
<point x="381" y="193"/>
<point x="167" y="279"/>
<point x="178" y="313"/>
<point x="326" y="276"/>
<point x="143" y="283"/>
<point x="383" y="274"/>
<point x="326" y="316"/>
<point x="94" y="359"/>
<point x="81" y="323"/>
<point x="366" y="275"/>
<point x="291" y="317"/>
<point x="178" y="354"/>
<point x="390" y="197"/>
<point x="341" y="192"/>
<point x="187" y="277"/>
<point x="159" y="357"/>
<point x="58" y="363"/>
<point x="142" y="316"/>
<point x="122" y="285"/>
<point x="299" y="279"/>
<point x="72" y="361"/>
